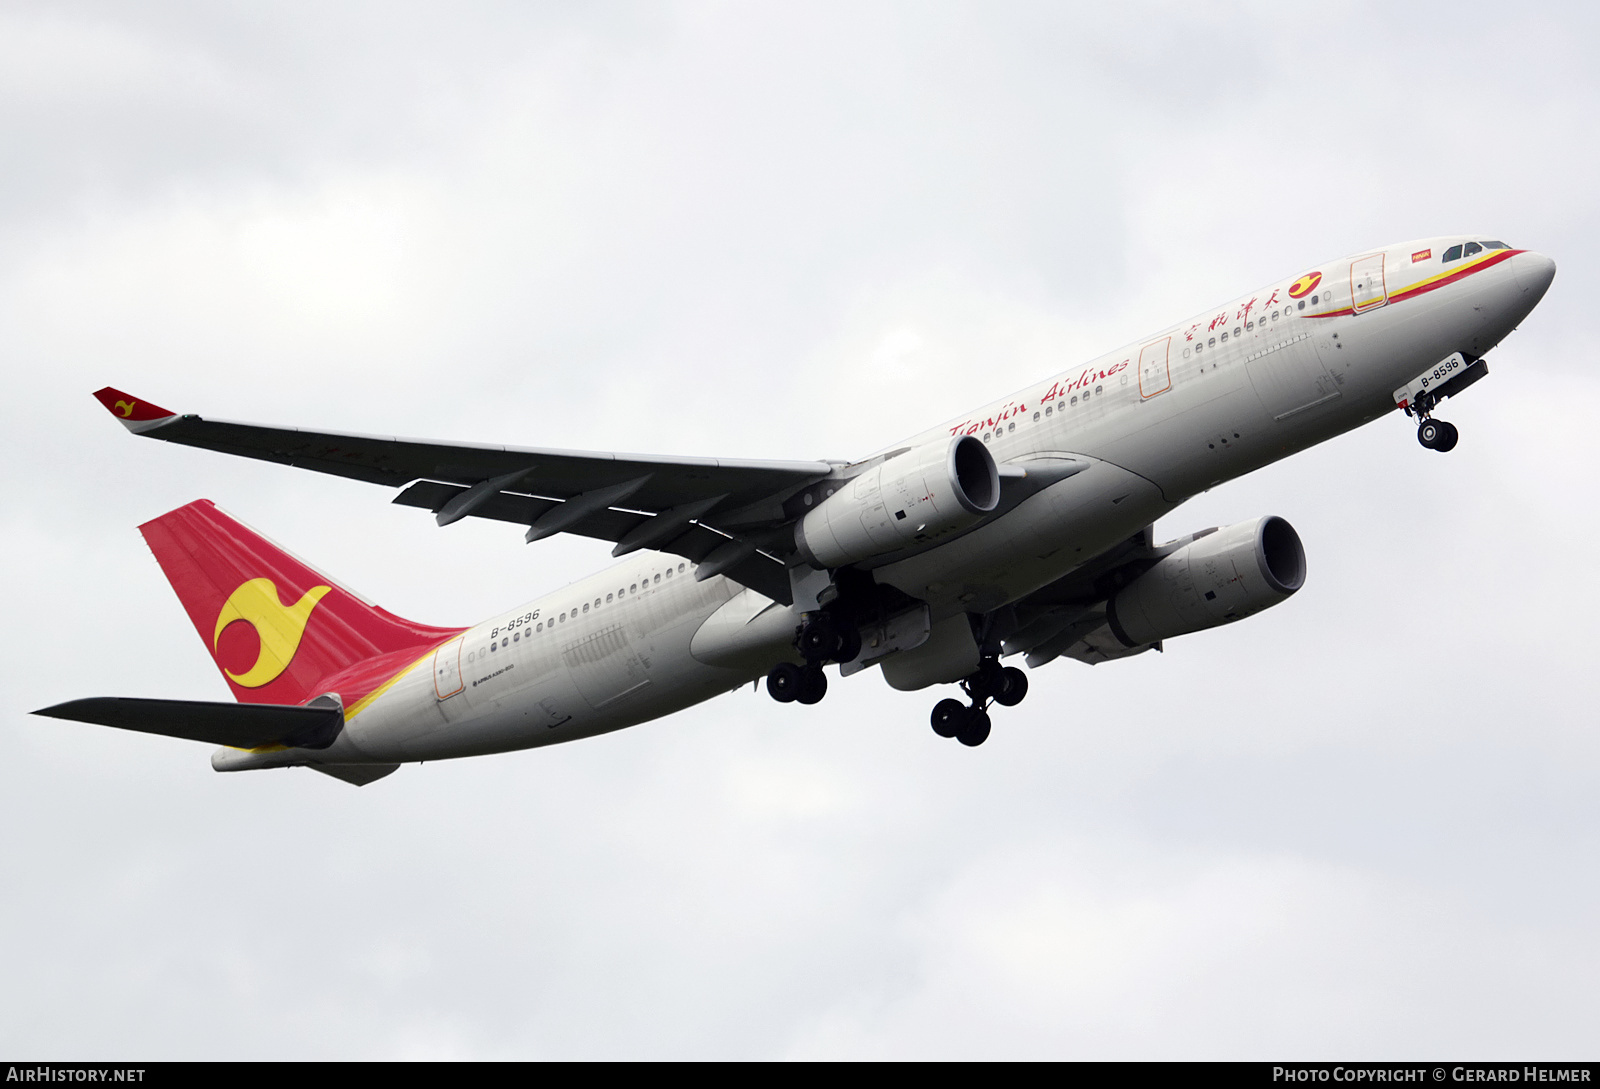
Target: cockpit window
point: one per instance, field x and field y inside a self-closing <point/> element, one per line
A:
<point x="1471" y="248"/>
<point x="1495" y="246"/>
<point x="1451" y="254"/>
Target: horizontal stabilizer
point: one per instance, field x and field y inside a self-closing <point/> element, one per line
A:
<point x="237" y="725"/>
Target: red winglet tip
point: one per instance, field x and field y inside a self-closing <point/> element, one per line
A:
<point x="128" y="408"/>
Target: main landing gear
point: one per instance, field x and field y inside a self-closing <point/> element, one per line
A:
<point x="789" y="683"/>
<point x="821" y="639"/>
<point x="826" y="637"/>
<point x="969" y="723"/>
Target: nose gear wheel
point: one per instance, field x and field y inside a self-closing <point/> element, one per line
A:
<point x="1437" y="435"/>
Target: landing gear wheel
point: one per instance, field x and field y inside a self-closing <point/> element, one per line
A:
<point x="819" y="639"/>
<point x="974" y="731"/>
<point x="813" y="685"/>
<point x="1448" y="437"/>
<point x="948" y="717"/>
<point x="849" y="644"/>
<point x="1012" y="688"/>
<point x="985" y="682"/>
<point x="784" y="682"/>
<point x="1429" y="433"/>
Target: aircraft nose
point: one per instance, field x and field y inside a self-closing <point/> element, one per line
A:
<point x="1533" y="271"/>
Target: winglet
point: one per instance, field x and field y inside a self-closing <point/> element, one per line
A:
<point x="132" y="413"/>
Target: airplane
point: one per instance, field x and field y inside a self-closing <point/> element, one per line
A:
<point x="1022" y="528"/>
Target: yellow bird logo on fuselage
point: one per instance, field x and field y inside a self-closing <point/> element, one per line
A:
<point x="279" y="626"/>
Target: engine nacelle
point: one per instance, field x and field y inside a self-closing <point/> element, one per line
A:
<point x="915" y="498"/>
<point x="1223" y="576"/>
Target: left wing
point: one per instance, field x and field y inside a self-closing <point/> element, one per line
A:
<point x="728" y="517"/>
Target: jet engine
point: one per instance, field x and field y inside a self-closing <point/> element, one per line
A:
<point x="1218" y="577"/>
<point x="914" y="498"/>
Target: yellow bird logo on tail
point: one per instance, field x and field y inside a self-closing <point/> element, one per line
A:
<point x="126" y="408"/>
<point x="279" y="627"/>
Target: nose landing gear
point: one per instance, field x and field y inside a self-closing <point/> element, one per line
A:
<point x="1448" y="377"/>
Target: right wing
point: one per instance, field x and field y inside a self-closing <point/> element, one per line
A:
<point x="728" y="517"/>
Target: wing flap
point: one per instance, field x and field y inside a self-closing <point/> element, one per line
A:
<point x="693" y="542"/>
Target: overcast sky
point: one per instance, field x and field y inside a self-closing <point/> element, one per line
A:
<point x="1362" y="824"/>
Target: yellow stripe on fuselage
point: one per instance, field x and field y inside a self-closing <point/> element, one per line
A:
<point x="1465" y="266"/>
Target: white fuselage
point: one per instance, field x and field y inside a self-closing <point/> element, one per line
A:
<point x="1160" y="420"/>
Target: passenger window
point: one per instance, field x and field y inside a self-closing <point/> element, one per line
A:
<point x="1186" y="353"/>
<point x="1236" y="332"/>
<point x="1212" y="343"/>
<point x="1074" y="399"/>
<point x="585" y="606"/>
<point x="1011" y="427"/>
<point x="680" y="569"/>
<point x="1224" y="338"/>
<point x="1098" y="389"/>
<point x="1049" y="409"/>
<point x="609" y="597"/>
<point x="1035" y="417"/>
<point x="1451" y="254"/>
<point x="633" y="589"/>
<point x="656" y="579"/>
<point x="1472" y="248"/>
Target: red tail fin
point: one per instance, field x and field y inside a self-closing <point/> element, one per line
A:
<point x="276" y="628"/>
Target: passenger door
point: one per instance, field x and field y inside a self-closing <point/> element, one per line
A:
<point x="1367" y="288"/>
<point x="447" y="669"/>
<point x="1155" y="371"/>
